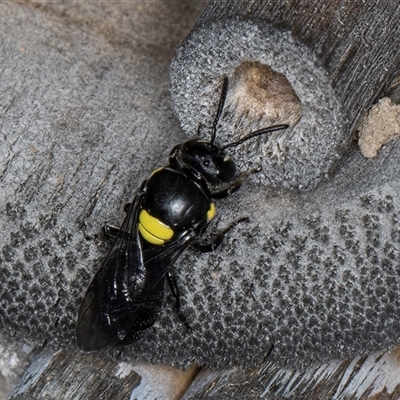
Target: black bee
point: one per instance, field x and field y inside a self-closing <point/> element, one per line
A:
<point x="171" y="210"/>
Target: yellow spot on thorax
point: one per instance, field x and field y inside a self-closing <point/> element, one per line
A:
<point x="153" y="230"/>
<point x="211" y="212"/>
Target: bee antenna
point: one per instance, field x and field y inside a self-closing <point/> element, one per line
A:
<point x="260" y="132"/>
<point x="219" y="110"/>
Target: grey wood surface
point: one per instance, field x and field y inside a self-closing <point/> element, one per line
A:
<point x="70" y="375"/>
<point x="325" y="287"/>
<point x="86" y="114"/>
<point x="352" y="39"/>
<point x="373" y="377"/>
<point x="77" y="375"/>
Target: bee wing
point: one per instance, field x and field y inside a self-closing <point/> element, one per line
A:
<point x="124" y="298"/>
<point x="104" y="313"/>
<point x="157" y="262"/>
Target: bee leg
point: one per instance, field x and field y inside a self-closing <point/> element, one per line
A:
<point x="173" y="285"/>
<point x="110" y="231"/>
<point x="127" y="206"/>
<point x="235" y="185"/>
<point x="106" y="233"/>
<point x="218" y="237"/>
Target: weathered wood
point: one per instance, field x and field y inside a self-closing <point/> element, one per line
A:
<point x="14" y="360"/>
<point x="67" y="375"/>
<point x="75" y="120"/>
<point x="381" y="126"/>
<point x="393" y="91"/>
<point x="81" y="376"/>
<point x="376" y="377"/>
<point x="327" y="280"/>
<point x="354" y="56"/>
<point x="70" y="375"/>
<point x="86" y="116"/>
<point x="354" y="40"/>
<point x="162" y="382"/>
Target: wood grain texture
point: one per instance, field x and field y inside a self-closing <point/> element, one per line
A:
<point x="335" y="55"/>
<point x="375" y="377"/>
<point x="81" y="376"/>
<point x="336" y="275"/>
<point x="344" y="36"/>
<point x="57" y="60"/>
<point x="352" y="39"/>
<point x="78" y="376"/>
